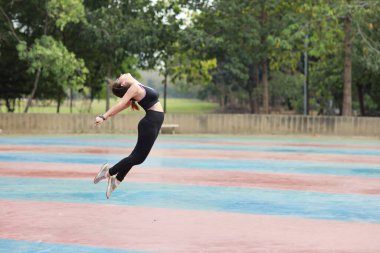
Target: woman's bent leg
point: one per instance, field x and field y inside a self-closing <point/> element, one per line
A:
<point x="148" y="130"/>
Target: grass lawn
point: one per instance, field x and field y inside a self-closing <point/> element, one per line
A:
<point x="174" y="105"/>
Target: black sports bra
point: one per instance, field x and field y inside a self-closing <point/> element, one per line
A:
<point x="150" y="98"/>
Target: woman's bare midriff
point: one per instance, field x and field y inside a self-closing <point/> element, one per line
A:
<point x="156" y="107"/>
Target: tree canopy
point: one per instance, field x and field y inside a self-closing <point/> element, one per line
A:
<point x="254" y="56"/>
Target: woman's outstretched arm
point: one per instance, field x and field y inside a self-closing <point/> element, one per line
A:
<point x="124" y="103"/>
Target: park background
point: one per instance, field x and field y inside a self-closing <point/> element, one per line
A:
<point x="255" y="57"/>
<point x="277" y="147"/>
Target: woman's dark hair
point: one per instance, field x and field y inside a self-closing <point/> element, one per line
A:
<point x="117" y="89"/>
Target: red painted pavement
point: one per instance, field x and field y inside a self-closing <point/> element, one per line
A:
<point x="168" y="230"/>
<point x="319" y="183"/>
<point x="276" y="144"/>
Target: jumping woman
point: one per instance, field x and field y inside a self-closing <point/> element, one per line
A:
<point x="131" y="91"/>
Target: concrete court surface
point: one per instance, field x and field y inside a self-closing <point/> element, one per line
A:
<point x="193" y="194"/>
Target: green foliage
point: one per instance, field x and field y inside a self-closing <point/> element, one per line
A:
<point x="187" y="68"/>
<point x="56" y="61"/>
<point x="326" y="85"/>
<point x="287" y="90"/>
<point x="367" y="43"/>
<point x="220" y="48"/>
<point x="66" y="11"/>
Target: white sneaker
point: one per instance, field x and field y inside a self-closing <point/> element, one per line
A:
<point x="112" y="185"/>
<point x="102" y="174"/>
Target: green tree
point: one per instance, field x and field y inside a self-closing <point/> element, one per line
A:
<point x="56" y="62"/>
<point x="238" y="35"/>
<point x="14" y="81"/>
<point x="366" y="59"/>
<point x="65" y="11"/>
<point x="38" y="57"/>
<point x="167" y="27"/>
<point x="118" y="37"/>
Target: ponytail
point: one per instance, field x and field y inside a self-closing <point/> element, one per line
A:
<point x="134" y="106"/>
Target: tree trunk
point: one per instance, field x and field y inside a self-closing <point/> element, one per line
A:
<point x="257" y="82"/>
<point x="263" y="40"/>
<point x="361" y="99"/>
<point x="265" y="87"/>
<point x="306" y="80"/>
<point x="71" y="99"/>
<point x="221" y="96"/>
<point x="9" y="106"/>
<point x="35" y="85"/>
<point x="251" y="102"/>
<point x="165" y="88"/>
<point x="38" y="74"/>
<point x="225" y="100"/>
<point x="251" y="85"/>
<point x="58" y="102"/>
<point x="92" y="97"/>
<point x="347" y="85"/>
<point x="90" y="105"/>
<point x="108" y="88"/>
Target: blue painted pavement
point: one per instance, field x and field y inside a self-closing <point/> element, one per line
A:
<point x="18" y="246"/>
<point x="363" y="208"/>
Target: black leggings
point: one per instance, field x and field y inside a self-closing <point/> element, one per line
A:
<point x="148" y="130"/>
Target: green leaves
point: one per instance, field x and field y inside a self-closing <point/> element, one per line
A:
<point x="219" y="45"/>
<point x="66" y="11"/>
<point x="55" y="60"/>
<point x="186" y="67"/>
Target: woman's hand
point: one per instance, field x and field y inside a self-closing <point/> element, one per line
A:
<point x="99" y="120"/>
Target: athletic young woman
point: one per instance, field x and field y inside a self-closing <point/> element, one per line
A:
<point x="131" y="91"/>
